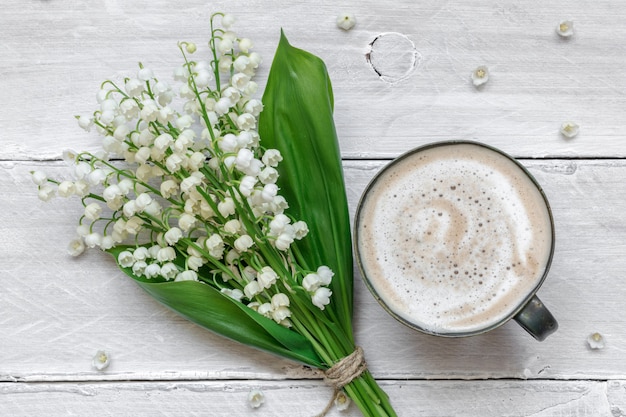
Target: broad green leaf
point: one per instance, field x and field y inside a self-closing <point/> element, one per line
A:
<point x="213" y="310"/>
<point x="297" y="119"/>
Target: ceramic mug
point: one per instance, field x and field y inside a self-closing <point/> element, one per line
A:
<point x="455" y="238"/>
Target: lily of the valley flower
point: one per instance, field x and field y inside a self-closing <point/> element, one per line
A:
<point x="346" y="21"/>
<point x="480" y="76"/>
<point x="565" y="28"/>
<point x="569" y="129"/>
<point x="342" y="401"/>
<point x="186" y="197"/>
<point x="101" y="360"/>
<point x="321" y="297"/>
<point x="595" y="341"/>
<point x="256" y="398"/>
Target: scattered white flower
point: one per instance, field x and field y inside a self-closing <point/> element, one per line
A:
<point x="565" y="28"/>
<point x="342" y="401"/>
<point x="480" y="76"/>
<point x="346" y="21"/>
<point x="595" y="341"/>
<point x="569" y="129"/>
<point x="101" y="360"/>
<point x="256" y="398"/>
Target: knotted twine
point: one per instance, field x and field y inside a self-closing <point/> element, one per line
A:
<point x="342" y="373"/>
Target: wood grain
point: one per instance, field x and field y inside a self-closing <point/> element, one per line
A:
<point x="229" y="398"/>
<point x="57" y="311"/>
<point x="54" y="59"/>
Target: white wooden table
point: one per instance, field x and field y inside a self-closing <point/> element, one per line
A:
<point x="57" y="311"/>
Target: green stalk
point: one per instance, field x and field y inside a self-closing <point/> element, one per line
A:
<point x="298" y="121"/>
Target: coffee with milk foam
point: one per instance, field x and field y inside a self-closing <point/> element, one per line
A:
<point x="453" y="238"/>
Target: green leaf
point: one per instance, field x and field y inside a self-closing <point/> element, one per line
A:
<point x="297" y="119"/>
<point x="215" y="311"/>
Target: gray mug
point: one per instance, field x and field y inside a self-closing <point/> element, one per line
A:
<point x="454" y="239"/>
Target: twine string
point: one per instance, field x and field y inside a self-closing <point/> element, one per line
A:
<point x="342" y="373"/>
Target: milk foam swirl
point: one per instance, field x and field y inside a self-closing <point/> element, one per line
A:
<point x="453" y="238"/>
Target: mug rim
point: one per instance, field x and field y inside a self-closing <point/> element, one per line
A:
<point x="520" y="306"/>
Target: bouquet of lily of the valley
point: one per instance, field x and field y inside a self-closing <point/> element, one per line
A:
<point x="230" y="210"/>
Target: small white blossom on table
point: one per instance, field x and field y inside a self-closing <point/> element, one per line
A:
<point x="346" y="21"/>
<point x="565" y="28"/>
<point x="480" y="76"/>
<point x="342" y="401"/>
<point x="256" y="398"/>
<point x="595" y="341"/>
<point x="569" y="129"/>
<point x="101" y="360"/>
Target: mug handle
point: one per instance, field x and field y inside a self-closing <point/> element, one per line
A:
<point x="536" y="319"/>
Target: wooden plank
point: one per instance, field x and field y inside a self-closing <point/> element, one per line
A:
<point x="57" y="311"/>
<point x="55" y="55"/>
<point x="306" y="398"/>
